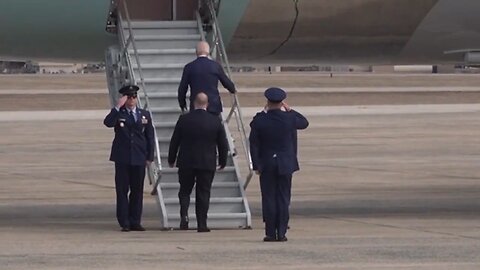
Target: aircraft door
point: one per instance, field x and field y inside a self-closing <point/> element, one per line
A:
<point x="161" y="10"/>
<point x="184" y="9"/>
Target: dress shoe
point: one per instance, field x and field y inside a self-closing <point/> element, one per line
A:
<point x="282" y="239"/>
<point x="138" y="228"/>
<point x="269" y="239"/>
<point x="203" y="230"/>
<point x="125" y="229"/>
<point x="183" y="225"/>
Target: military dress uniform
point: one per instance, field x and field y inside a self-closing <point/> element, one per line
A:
<point x="132" y="147"/>
<point x="273" y="147"/>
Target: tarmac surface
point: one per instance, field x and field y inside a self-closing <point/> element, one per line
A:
<point x="380" y="187"/>
<point x="36" y="92"/>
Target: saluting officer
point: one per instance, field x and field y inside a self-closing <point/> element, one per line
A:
<point x="273" y="147"/>
<point x="132" y="150"/>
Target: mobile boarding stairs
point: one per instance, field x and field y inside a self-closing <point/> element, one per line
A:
<point x="152" y="54"/>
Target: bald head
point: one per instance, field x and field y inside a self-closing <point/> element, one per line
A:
<point x="203" y="48"/>
<point x="201" y="101"/>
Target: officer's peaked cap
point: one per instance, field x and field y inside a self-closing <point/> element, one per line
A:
<point x="275" y="94"/>
<point x="128" y="89"/>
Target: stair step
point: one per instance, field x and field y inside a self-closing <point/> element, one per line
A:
<point x="163" y="84"/>
<point x="162" y="51"/>
<point x="175" y="170"/>
<point x="217" y="205"/>
<point x="170" y="175"/>
<point x="214" y="185"/>
<point x="212" y="200"/>
<point x="163" y="73"/>
<point x="195" y="37"/>
<point x="164" y="140"/>
<point x="168" y="114"/>
<point x="159" y="66"/>
<point x="159" y="99"/>
<point x="192" y="217"/>
<point x="160" y="31"/>
<point x="159" y="70"/>
<point x="219" y="188"/>
<point x="214" y="221"/>
<point x="162" y="80"/>
<point x="160" y="87"/>
<point x="165" y="109"/>
<point x="166" y="95"/>
<point x="163" y="56"/>
<point x="164" y="144"/>
<point x="210" y="217"/>
<point x="165" y="41"/>
<point x="162" y="24"/>
<point x="165" y="124"/>
<point x="163" y="131"/>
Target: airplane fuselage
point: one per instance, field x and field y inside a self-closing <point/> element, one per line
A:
<point x="56" y="30"/>
<point x="261" y="31"/>
<point x="357" y="31"/>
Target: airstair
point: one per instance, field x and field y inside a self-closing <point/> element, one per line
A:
<point x="152" y="54"/>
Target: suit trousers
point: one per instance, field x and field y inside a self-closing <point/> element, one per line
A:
<point x="276" y="193"/>
<point x="129" y="178"/>
<point x="203" y="179"/>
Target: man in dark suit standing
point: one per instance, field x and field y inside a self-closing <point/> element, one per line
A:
<point x="196" y="138"/>
<point x="273" y="147"/>
<point x="132" y="150"/>
<point x="202" y="75"/>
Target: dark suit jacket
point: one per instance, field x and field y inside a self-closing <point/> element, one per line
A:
<point x="196" y="138"/>
<point x="134" y="142"/>
<point x="273" y="140"/>
<point x="202" y="75"/>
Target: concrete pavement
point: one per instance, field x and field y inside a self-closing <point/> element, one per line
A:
<point x="395" y="188"/>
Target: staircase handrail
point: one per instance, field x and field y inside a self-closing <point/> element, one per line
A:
<point x="126" y="53"/>
<point x="235" y="110"/>
<point x="199" y="24"/>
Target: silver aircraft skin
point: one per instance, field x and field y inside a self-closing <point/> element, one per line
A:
<point x="280" y="31"/>
<point x="357" y="31"/>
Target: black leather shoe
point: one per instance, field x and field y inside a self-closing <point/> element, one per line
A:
<point x="137" y="228"/>
<point x="269" y="239"/>
<point x="203" y="230"/>
<point x="183" y="225"/>
<point x="125" y="229"/>
<point x="282" y="239"/>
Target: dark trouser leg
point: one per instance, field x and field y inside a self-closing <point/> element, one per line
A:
<point x="202" y="197"/>
<point x="284" y="187"/>
<point x="135" y="203"/>
<point x="186" y="178"/>
<point x="263" y="185"/>
<point x="269" y="204"/>
<point x="122" y="180"/>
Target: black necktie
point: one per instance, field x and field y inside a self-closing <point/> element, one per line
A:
<point x="132" y="118"/>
